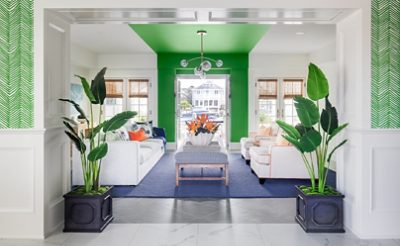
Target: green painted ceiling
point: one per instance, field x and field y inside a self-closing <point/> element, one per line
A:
<point x="182" y="38"/>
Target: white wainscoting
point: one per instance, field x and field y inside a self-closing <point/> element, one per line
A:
<point x="371" y="181"/>
<point x="21" y="182"/>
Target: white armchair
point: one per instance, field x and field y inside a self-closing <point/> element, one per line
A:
<point x="246" y="143"/>
<point x="277" y="161"/>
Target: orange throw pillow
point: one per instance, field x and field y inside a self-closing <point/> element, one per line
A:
<point x="138" y="135"/>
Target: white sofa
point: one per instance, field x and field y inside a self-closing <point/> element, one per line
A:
<point x="126" y="163"/>
<point x="277" y="161"/>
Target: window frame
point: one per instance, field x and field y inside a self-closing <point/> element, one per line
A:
<point x="126" y="92"/>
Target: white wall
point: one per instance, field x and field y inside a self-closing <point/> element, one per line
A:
<point x="272" y="66"/>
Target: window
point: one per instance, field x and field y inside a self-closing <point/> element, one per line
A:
<point x="291" y="88"/>
<point x="205" y="102"/>
<point x="196" y="103"/>
<point x="114" y="98"/>
<point x="138" y="94"/>
<point x="267" y="101"/>
<point x="215" y="102"/>
<point x="201" y="103"/>
<point x="275" y="100"/>
<point x="210" y="102"/>
<point x="216" y="92"/>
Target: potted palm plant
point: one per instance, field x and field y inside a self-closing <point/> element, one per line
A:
<point x="88" y="208"/>
<point x="319" y="208"/>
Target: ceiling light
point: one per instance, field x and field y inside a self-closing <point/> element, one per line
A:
<point x="205" y="62"/>
<point x="300" y="33"/>
<point x="292" y="22"/>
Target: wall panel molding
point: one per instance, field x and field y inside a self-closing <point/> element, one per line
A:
<point x="16" y="64"/>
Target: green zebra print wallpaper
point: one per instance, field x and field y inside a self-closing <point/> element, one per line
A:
<point x="16" y="64"/>
<point x="385" y="90"/>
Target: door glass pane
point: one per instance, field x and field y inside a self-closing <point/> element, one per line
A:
<point x="112" y="106"/>
<point x="139" y="105"/>
<point x="266" y="112"/>
<point x="290" y="114"/>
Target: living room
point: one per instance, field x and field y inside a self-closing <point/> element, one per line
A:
<point x="260" y="70"/>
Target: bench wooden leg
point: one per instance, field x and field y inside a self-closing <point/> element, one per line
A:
<point x="177" y="175"/>
<point x="226" y="175"/>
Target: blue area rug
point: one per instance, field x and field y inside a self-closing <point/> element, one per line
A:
<point x="160" y="182"/>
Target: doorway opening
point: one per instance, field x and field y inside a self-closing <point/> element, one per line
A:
<point x="196" y="97"/>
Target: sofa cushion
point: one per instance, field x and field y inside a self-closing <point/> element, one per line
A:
<point x="260" y="155"/>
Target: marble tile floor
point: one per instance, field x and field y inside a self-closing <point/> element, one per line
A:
<point x="208" y="222"/>
<point x="199" y="211"/>
<point x="201" y="234"/>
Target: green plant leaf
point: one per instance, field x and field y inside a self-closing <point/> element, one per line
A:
<point x="70" y="128"/>
<point x="82" y="114"/>
<point x="329" y="117"/>
<point x="86" y="88"/>
<point x="98" y="153"/>
<point x="289" y="129"/>
<point x="307" y="111"/>
<point x="310" y="140"/>
<point x="302" y="129"/>
<point x="95" y="131"/>
<point x="334" y="149"/>
<point x="71" y="122"/>
<point x="98" y="87"/>
<point x="118" y="121"/>
<point x="294" y="142"/>
<point x="317" y="84"/>
<point x="337" y="130"/>
<point x="79" y="144"/>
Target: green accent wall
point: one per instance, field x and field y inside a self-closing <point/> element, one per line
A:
<point x="182" y="38"/>
<point x="385" y="87"/>
<point x="16" y="64"/>
<point x="236" y="65"/>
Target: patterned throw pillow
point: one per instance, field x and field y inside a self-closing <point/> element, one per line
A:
<point x="146" y="126"/>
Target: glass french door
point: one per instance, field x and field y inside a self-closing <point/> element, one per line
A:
<point x="195" y="96"/>
<point x="275" y="100"/>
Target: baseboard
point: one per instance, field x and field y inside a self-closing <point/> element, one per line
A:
<point x="234" y="146"/>
<point x="171" y="146"/>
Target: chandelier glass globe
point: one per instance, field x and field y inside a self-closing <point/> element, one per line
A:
<point x="206" y="65"/>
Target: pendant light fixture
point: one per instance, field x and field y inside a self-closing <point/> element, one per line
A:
<point x="205" y="62"/>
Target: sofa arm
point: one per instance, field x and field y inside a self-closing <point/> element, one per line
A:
<point x="286" y="162"/>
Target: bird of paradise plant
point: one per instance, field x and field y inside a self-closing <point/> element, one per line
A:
<point x="316" y="130"/>
<point x="92" y="155"/>
<point x="202" y="124"/>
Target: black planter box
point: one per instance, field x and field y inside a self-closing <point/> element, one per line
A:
<point x="86" y="213"/>
<point x="318" y="213"/>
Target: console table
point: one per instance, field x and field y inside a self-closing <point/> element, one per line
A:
<point x="211" y="156"/>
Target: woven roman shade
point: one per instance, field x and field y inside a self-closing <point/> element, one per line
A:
<point x="292" y="88"/>
<point x="138" y="88"/>
<point x="267" y="88"/>
<point x="114" y="88"/>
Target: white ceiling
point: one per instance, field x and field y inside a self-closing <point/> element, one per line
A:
<point x="283" y="38"/>
<point x="280" y="38"/>
<point x="108" y="39"/>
